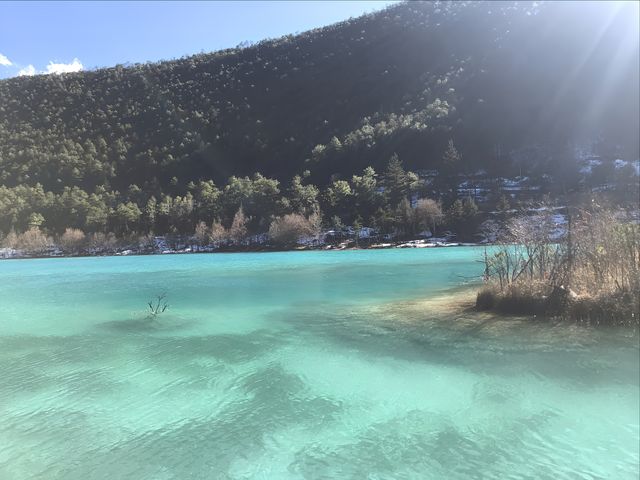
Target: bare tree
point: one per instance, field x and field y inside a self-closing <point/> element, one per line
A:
<point x="238" y="230"/>
<point x="72" y="240"/>
<point x="201" y="234"/>
<point x="102" y="242"/>
<point x="288" y="229"/>
<point x="158" y="306"/>
<point x="218" y="233"/>
<point x="526" y="248"/>
<point x="428" y="214"/>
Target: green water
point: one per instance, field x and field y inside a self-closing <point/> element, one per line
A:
<point x="317" y="365"/>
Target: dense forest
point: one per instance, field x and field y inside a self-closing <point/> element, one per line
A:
<point x="334" y="120"/>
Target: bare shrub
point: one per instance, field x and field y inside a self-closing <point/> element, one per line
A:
<point x="527" y="251"/>
<point x="72" y="240"/>
<point x="102" y="242"/>
<point x="288" y="229"/>
<point x="11" y="240"/>
<point x="33" y="241"/>
<point x="577" y="274"/>
<point x="146" y="243"/>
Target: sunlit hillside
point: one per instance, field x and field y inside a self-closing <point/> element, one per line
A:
<point x="495" y="77"/>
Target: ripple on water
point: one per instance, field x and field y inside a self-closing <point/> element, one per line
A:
<point x="315" y="380"/>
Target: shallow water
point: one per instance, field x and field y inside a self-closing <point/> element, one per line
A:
<point x="319" y="365"/>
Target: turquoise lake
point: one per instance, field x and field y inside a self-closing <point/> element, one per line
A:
<point x="300" y="365"/>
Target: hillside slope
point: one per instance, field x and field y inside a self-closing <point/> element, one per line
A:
<point x="495" y="77"/>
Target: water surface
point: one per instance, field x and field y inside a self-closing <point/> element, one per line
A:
<point x="318" y="365"/>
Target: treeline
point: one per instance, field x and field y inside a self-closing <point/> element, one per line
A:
<point x="395" y="201"/>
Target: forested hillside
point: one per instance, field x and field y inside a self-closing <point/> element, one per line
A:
<point x="130" y="147"/>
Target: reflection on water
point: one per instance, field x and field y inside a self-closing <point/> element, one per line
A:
<point x="326" y="365"/>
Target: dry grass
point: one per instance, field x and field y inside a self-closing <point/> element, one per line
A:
<point x="591" y="275"/>
<point x="604" y="308"/>
<point x="514" y="301"/>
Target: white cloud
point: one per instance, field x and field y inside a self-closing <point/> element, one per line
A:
<point x="74" y="66"/>
<point x="4" y="61"/>
<point x="27" y="71"/>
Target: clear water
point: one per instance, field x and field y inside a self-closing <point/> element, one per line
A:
<point x="317" y="365"/>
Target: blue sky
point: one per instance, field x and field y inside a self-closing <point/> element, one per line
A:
<point x="41" y="37"/>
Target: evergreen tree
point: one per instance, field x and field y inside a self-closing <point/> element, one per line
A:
<point x="150" y="214"/>
<point x="367" y="199"/>
<point x="303" y="198"/>
<point x="451" y="165"/>
<point x="340" y="199"/>
<point x="126" y="217"/>
<point x="36" y="220"/>
<point x="451" y="159"/>
<point x="396" y="182"/>
<point x="405" y="219"/>
<point x="462" y="217"/>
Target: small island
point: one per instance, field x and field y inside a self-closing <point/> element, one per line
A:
<point x="589" y="272"/>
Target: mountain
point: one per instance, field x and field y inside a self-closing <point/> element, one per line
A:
<point x="457" y="87"/>
<point x="494" y="76"/>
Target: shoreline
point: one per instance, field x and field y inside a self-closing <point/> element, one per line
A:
<point x="126" y="252"/>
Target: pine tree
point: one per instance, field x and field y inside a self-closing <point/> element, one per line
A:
<point x="395" y="181"/>
<point x="451" y="159"/>
<point x="451" y="165"/>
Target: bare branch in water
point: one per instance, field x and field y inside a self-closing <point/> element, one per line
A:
<point x="160" y="305"/>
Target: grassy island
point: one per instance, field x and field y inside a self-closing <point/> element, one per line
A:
<point x="590" y="272"/>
